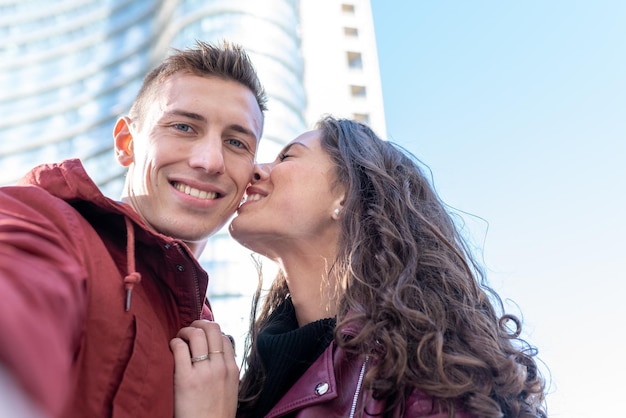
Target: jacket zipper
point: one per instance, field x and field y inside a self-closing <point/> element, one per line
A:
<point x="198" y="298"/>
<point x="359" y="384"/>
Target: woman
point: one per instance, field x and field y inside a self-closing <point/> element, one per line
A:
<point x="378" y="308"/>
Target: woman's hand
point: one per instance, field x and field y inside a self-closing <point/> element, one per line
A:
<point x="206" y="376"/>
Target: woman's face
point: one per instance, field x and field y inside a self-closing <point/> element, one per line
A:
<point x="291" y="202"/>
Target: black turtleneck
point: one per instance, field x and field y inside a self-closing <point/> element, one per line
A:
<point x="287" y="351"/>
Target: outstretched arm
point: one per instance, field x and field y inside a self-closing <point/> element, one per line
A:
<point x="206" y="376"/>
<point x="42" y="295"/>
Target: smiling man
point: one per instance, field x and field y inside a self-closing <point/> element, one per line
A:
<point x="190" y="158"/>
<point x="92" y="289"/>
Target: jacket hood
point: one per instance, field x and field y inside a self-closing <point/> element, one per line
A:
<point x="69" y="181"/>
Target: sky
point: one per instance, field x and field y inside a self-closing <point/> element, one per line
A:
<point x="519" y="110"/>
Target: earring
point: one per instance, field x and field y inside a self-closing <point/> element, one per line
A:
<point x="336" y="211"/>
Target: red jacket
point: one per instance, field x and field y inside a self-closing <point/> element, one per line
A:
<point x="68" y="255"/>
<point x="332" y="388"/>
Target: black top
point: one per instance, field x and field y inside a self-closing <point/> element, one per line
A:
<point x="287" y="351"/>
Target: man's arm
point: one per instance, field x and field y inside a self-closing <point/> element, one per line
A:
<point x="42" y="288"/>
<point x="13" y="401"/>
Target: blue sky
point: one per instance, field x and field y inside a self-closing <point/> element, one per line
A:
<point x="519" y="110"/>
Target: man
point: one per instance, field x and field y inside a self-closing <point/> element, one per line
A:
<point x="93" y="290"/>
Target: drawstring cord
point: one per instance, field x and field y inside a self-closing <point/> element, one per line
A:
<point x="133" y="276"/>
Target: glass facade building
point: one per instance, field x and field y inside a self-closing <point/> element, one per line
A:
<point x="70" y="68"/>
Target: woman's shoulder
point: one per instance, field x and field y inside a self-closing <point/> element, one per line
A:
<point x="420" y="404"/>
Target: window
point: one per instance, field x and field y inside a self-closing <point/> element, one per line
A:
<point x="358" y="91"/>
<point x="351" y="32"/>
<point x="347" y="8"/>
<point x="354" y="60"/>
<point x="362" y="117"/>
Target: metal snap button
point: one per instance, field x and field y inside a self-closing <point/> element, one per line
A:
<point x="321" y="388"/>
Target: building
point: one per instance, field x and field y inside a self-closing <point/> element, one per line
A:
<point x="341" y="61"/>
<point x="68" y="70"/>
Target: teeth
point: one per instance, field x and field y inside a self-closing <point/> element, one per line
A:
<point x="253" y="197"/>
<point x="200" y="194"/>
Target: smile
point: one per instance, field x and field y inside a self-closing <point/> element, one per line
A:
<point x="253" y="197"/>
<point x="200" y="194"/>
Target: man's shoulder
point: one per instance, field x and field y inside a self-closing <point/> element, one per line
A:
<point x="28" y="195"/>
<point x="65" y="179"/>
<point x="61" y="192"/>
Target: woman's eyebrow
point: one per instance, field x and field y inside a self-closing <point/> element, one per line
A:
<point x="288" y="147"/>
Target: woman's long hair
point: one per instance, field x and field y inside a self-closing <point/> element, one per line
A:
<point x="409" y="282"/>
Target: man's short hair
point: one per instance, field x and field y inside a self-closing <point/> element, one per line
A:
<point x="227" y="61"/>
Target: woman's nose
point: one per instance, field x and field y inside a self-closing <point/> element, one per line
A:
<point x="261" y="171"/>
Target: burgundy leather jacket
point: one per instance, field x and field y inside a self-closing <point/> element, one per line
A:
<point x="332" y="387"/>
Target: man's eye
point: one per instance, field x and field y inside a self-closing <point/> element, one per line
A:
<point x="182" y="127"/>
<point x="236" y="143"/>
<point x="282" y="157"/>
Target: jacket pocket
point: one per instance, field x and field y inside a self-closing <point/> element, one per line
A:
<point x="135" y="358"/>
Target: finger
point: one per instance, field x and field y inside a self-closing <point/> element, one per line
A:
<point x="214" y="337"/>
<point x="229" y="357"/>
<point x="196" y="339"/>
<point x="182" y="357"/>
<point x="231" y="340"/>
<point x="229" y="347"/>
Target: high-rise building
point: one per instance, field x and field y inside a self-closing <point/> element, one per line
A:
<point x="69" y="68"/>
<point x="341" y="72"/>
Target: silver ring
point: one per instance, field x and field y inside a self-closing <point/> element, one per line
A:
<point x="199" y="358"/>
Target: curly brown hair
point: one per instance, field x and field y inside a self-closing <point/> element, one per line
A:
<point x="408" y="279"/>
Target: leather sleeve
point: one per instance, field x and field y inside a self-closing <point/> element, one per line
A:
<point x="421" y="405"/>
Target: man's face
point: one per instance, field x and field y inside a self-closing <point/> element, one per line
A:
<point x="192" y="155"/>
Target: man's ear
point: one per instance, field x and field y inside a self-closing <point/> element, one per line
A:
<point x="123" y="141"/>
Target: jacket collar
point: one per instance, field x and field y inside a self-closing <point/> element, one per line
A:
<point x="69" y="181"/>
<point x="317" y="384"/>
